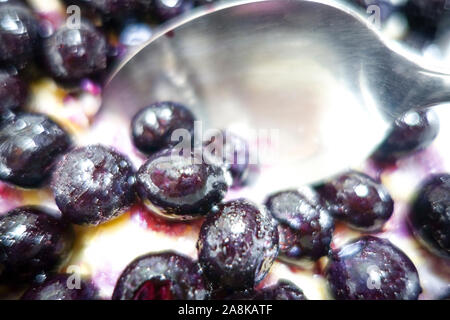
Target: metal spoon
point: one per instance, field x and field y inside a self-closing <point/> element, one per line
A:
<point x="316" y="73"/>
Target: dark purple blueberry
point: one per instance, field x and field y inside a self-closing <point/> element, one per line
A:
<point x="430" y="214"/>
<point x="93" y="184"/>
<point x="30" y="144"/>
<point x="167" y="9"/>
<point x="371" y="268"/>
<point x="75" y="53"/>
<point x="412" y="132"/>
<point x="33" y="241"/>
<point x="180" y="186"/>
<point x="152" y="127"/>
<point x="63" y="287"/>
<point x="360" y="201"/>
<point x="233" y="152"/>
<point x="161" y="276"/>
<point x="18" y="34"/>
<point x="237" y="245"/>
<point x="305" y="227"/>
<point x="13" y="90"/>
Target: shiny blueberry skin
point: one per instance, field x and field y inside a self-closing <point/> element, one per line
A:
<point x="62" y="287"/>
<point x="371" y="268"/>
<point x="18" y="35"/>
<point x="412" y="132"/>
<point x="233" y="152"/>
<point x="305" y="227"/>
<point x="161" y="276"/>
<point x="33" y="241"/>
<point x="13" y="90"/>
<point x="177" y="187"/>
<point x="30" y="144"/>
<point x="152" y="127"/>
<point x="93" y="184"/>
<point x="237" y="245"/>
<point x="72" y="54"/>
<point x="430" y="214"/>
<point x="357" y="199"/>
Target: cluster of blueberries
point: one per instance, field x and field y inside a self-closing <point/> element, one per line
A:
<point x="238" y="240"/>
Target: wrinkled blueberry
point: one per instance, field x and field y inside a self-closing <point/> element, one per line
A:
<point x="305" y="227"/>
<point x="33" y="241"/>
<point x="371" y="268"/>
<point x="430" y="214"/>
<point x="233" y="152"/>
<point x="152" y="127"/>
<point x="29" y="146"/>
<point x="74" y="53"/>
<point x="93" y="184"/>
<point x="354" y="197"/>
<point x="62" y="287"/>
<point x="412" y="132"/>
<point x="18" y="34"/>
<point x="166" y="10"/>
<point x="13" y="90"/>
<point x="161" y="276"/>
<point x="237" y="245"/>
<point x="180" y="187"/>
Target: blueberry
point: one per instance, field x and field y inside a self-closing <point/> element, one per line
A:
<point x="354" y="197"/>
<point x="233" y="152"/>
<point x="180" y="186"/>
<point x="62" y="287"/>
<point x="305" y="227"/>
<point x="412" y="132"/>
<point x="29" y="147"/>
<point x="161" y="276"/>
<point x="93" y="184"/>
<point x="430" y="214"/>
<point x="152" y="127"/>
<point x="33" y="241"/>
<point x="75" y="53"/>
<point x="13" y="90"/>
<point x="371" y="268"/>
<point x="18" y="35"/>
<point x="237" y="245"/>
<point x="165" y="10"/>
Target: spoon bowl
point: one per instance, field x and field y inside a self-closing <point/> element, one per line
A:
<point x="312" y="85"/>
